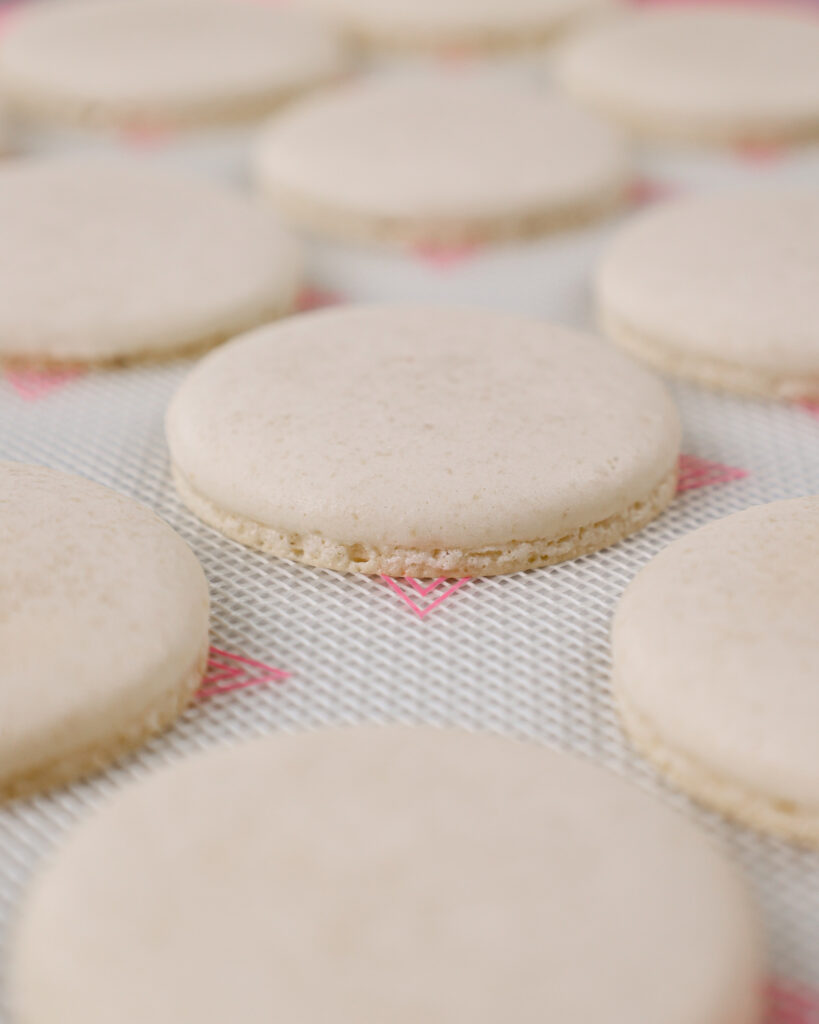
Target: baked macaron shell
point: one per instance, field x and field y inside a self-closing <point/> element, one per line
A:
<point x="161" y="63"/>
<point x="708" y="73"/>
<point x="106" y="260"/>
<point x="440" y="158"/>
<point x="723" y="289"/>
<point x="386" y="873"/>
<point x="465" y="24"/>
<point x="715" y="650"/>
<point x="103" y="626"/>
<point x="411" y="440"/>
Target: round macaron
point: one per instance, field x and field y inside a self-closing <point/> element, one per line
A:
<point x="386" y="874"/>
<point x="440" y="158"/>
<point x="133" y="63"/>
<point x="107" y="261"/>
<point x="715" y="655"/>
<point x="715" y="73"/>
<point x="462" y="24"/>
<point x="103" y="627"/>
<point x="722" y="289"/>
<point x="423" y="442"/>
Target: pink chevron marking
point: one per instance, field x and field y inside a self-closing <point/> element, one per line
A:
<point x="8" y="10"/>
<point x="425" y="591"/>
<point x="696" y="472"/>
<point x="643" y="191"/>
<point x="811" y="407"/>
<point x="456" y="55"/>
<point x="243" y="673"/>
<point x="422" y="590"/>
<point x="761" y="152"/>
<point x="32" y="385"/>
<point x="445" y="257"/>
<point x="790" y="1004"/>
<point x="147" y="136"/>
<point x="310" y="298"/>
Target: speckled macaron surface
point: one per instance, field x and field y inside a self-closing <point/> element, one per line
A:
<point x="703" y="73"/>
<point x="715" y="654"/>
<point x="105" y="260"/>
<point x="385" y="873"/>
<point x="160" y="62"/>
<point x="423" y="442"/>
<point x="722" y="289"/>
<point x="446" y="157"/>
<point x="471" y="24"/>
<point x="103" y="626"/>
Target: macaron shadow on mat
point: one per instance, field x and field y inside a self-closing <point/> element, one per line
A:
<point x="523" y="655"/>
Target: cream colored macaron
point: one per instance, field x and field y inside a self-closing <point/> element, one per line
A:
<point x="423" y="442"/>
<point x="107" y="261"/>
<point x="703" y="73"/>
<point x="715" y="655"/>
<point x="386" y="874"/>
<point x="440" y="158"/>
<point x="722" y="289"/>
<point x="94" y="63"/>
<point x="465" y="24"/>
<point x="103" y="626"/>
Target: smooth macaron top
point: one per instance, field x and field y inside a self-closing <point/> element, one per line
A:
<point x="707" y="72"/>
<point x="716" y="647"/>
<point x="731" y="277"/>
<point x="462" y="23"/>
<point x="413" y="155"/>
<point x="422" y="428"/>
<point x="104" y="259"/>
<point x="161" y="62"/>
<point x="386" y="874"/>
<point x="103" y="618"/>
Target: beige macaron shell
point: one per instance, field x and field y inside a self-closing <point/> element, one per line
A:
<point x="715" y="653"/>
<point x="104" y="260"/>
<point x="423" y="429"/>
<point x="704" y="72"/>
<point x="724" y="288"/>
<point x="386" y="874"/>
<point x="430" y="23"/>
<point x="161" y="61"/>
<point x="446" y="156"/>
<point x="103" y="626"/>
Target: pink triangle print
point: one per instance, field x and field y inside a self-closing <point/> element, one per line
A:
<point x="420" y="597"/>
<point x="791" y="1004"/>
<point x="761" y="152"/>
<point x="227" y="672"/>
<point x="32" y="385"/>
<point x="147" y="136"/>
<point x="8" y="10"/>
<point x="811" y="407"/>
<point x="311" y="298"/>
<point x="696" y="472"/>
<point x="645" y="190"/>
<point x="446" y="257"/>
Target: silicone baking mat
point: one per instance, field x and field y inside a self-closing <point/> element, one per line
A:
<point x="525" y="655"/>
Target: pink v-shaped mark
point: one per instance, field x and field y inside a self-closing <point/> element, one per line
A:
<point x="696" y="472"/>
<point x="424" y="591"/>
<point x="227" y="672"/>
<point x="32" y="385"/>
<point x="791" y="1004"/>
